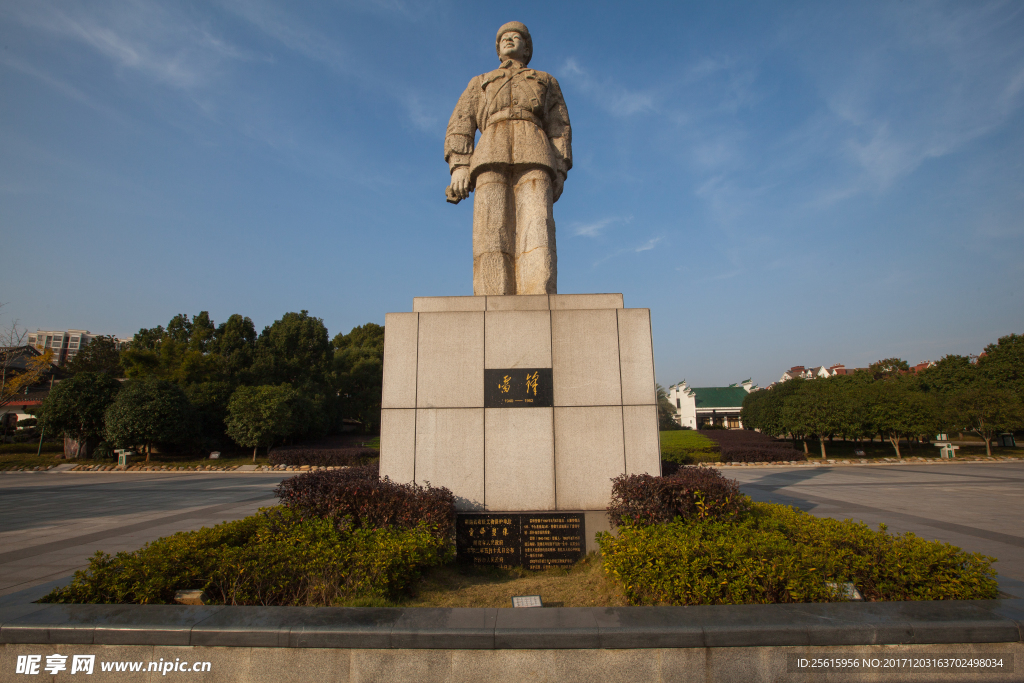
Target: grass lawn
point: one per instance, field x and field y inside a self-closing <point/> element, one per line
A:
<point x="10" y="461"/>
<point x="585" y="584"/>
<point x="686" y="438"/>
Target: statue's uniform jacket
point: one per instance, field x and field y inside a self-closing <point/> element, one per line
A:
<point x="517" y="170"/>
<point x="522" y="118"/>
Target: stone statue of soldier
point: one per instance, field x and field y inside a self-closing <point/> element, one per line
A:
<point x="517" y="169"/>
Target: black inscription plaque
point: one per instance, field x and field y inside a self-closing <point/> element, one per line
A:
<point x="532" y="540"/>
<point x="519" y="388"/>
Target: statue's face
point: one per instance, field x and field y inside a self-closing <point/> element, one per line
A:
<point x="512" y="46"/>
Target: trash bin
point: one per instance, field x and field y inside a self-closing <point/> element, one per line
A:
<point x="124" y="458"/>
<point x="1007" y="441"/>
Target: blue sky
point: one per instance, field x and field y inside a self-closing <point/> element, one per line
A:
<point x="780" y="183"/>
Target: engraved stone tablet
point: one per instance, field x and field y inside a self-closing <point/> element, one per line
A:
<point x="534" y="541"/>
<point x="519" y="388"/>
<point x="551" y="540"/>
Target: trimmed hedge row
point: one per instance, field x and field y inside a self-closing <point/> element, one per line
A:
<point x="30" y="448"/>
<point x="780" y="554"/>
<point x="689" y="493"/>
<point x="274" y="558"/>
<point x="357" y="498"/>
<point x="322" y="457"/>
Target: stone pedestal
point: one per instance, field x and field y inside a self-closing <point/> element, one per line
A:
<point x="519" y="445"/>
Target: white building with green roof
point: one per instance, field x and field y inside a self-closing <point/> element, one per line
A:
<point x="697" y="407"/>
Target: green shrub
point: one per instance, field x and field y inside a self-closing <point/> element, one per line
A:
<point x="273" y="558"/>
<point x="780" y="554"/>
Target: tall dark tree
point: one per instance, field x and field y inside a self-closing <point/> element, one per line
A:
<point x="210" y="403"/>
<point x="294" y="350"/>
<point x="193" y="351"/>
<point x="359" y="373"/>
<point x="235" y="342"/>
<point x="99" y="355"/>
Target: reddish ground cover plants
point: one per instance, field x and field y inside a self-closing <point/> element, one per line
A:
<point x="356" y="497"/>
<point x="690" y="493"/>
<point x="745" y="445"/>
<point x="336" y="451"/>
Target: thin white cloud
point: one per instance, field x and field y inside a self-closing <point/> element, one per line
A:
<point x="296" y="35"/>
<point x="420" y="115"/>
<point x="61" y="86"/>
<point x="139" y="36"/>
<point x="648" y="245"/>
<point x="596" y="228"/>
<point x="617" y="100"/>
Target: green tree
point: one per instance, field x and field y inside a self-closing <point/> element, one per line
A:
<point x="75" y="407"/>
<point x="887" y="367"/>
<point x="1003" y="364"/>
<point x="235" y="343"/>
<point x="854" y="422"/>
<point x="258" y="416"/>
<point x="193" y="351"/>
<point x="949" y="374"/>
<point x="763" y="408"/>
<point x="147" y="412"/>
<point x="295" y="350"/>
<point x="819" y="408"/>
<point x="210" y="401"/>
<point x="894" y="409"/>
<point x="986" y="409"/>
<point x="359" y="373"/>
<point x="753" y="408"/>
<point x="99" y="355"/>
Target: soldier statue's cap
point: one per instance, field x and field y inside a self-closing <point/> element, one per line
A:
<point x="519" y="28"/>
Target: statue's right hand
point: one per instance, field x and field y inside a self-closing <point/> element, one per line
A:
<point x="460" y="182"/>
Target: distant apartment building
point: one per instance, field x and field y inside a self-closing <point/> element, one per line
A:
<point x="698" y="407"/>
<point x="65" y="344"/>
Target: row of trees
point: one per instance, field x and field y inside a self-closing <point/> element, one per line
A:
<point x="983" y="396"/>
<point x="196" y="384"/>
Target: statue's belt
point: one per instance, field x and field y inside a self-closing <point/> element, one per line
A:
<point x="515" y="114"/>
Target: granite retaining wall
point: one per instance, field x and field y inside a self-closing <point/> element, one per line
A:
<point x="887" y="641"/>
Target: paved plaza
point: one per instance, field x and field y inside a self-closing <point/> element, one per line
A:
<point x="53" y="522"/>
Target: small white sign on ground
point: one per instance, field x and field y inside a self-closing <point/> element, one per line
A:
<point x="526" y="601"/>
